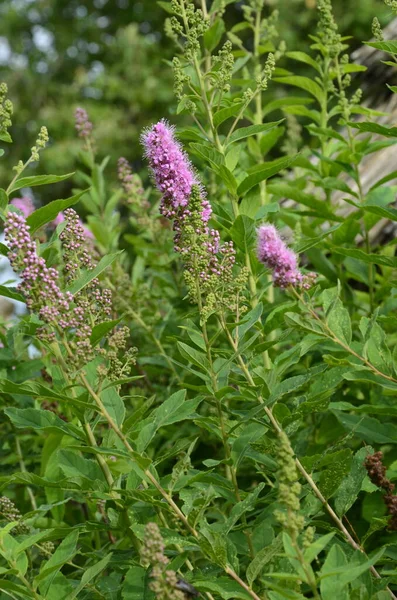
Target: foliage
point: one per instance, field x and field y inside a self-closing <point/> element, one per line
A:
<point x="194" y="407"/>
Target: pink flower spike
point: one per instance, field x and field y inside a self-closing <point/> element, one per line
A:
<point x="274" y="253"/>
<point x="24" y="204"/>
<point x="172" y="170"/>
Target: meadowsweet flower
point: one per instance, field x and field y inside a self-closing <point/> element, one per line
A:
<point x="24" y="204"/>
<point x="82" y="123"/>
<point x="274" y="253"/>
<point x="206" y="261"/>
<point x="39" y="284"/>
<point x="172" y="170"/>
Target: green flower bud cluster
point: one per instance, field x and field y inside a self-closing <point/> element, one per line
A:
<point x="289" y="489"/>
<point x="117" y="367"/>
<point x="377" y="29"/>
<point x="210" y="271"/>
<point x="6" y="109"/>
<point x="293" y="139"/>
<point x="224" y="61"/>
<point x="194" y="26"/>
<point x="328" y="30"/>
<point x="263" y="78"/>
<point x="391" y="4"/>
<point x="164" y="581"/>
<point x="10" y="513"/>
<point x="40" y="143"/>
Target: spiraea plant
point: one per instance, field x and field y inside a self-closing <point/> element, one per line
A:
<point x="199" y="393"/>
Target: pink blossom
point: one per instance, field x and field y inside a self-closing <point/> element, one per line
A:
<point x="273" y="252"/>
<point x="24" y="204"/>
<point x="172" y="170"/>
<point x="82" y="123"/>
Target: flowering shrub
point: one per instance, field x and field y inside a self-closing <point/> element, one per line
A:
<point x="199" y="398"/>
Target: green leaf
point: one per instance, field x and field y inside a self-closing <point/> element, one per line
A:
<point x="73" y="464"/>
<point x="331" y="586"/>
<point x="367" y="428"/>
<point x="262" y="558"/>
<point x="375" y="128"/>
<point x="245" y="132"/>
<point x="389" y="46"/>
<point x="264" y="171"/>
<point x="175" y="409"/>
<point x="213" y="543"/>
<point x="351" y="485"/>
<point x="222" y="586"/>
<point x="241" y="508"/>
<point x="194" y="356"/>
<point x="304" y="83"/>
<point x="336" y="465"/>
<point x="114" y="405"/>
<point x="304" y="58"/>
<point x="64" y="553"/>
<point x="136" y="585"/>
<point x="288" y="191"/>
<point x="15" y="588"/>
<point x="47" y="213"/>
<point x="37" y="180"/>
<point x="3" y="200"/>
<point x="102" y="329"/>
<point x="31" y="540"/>
<point x="243" y="232"/>
<point x="225" y="113"/>
<point x="336" y="315"/>
<point x="41" y="420"/>
<point x="374" y="259"/>
<point x="90" y="574"/>
<point x="214" y="34"/>
<point x="5" y="137"/>
<point x="317" y="546"/>
<point x="11" y="292"/>
<point x="88" y="276"/>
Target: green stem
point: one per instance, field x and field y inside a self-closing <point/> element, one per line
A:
<point x="230" y="468"/>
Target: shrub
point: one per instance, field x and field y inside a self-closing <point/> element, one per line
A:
<point x="199" y="396"/>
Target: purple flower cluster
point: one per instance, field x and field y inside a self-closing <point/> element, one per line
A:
<point x="172" y="171"/>
<point x="39" y="282"/>
<point x="82" y="123"/>
<point x="274" y="253"/>
<point x="24" y="204"/>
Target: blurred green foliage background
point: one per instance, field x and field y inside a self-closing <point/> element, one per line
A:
<point x="111" y="57"/>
